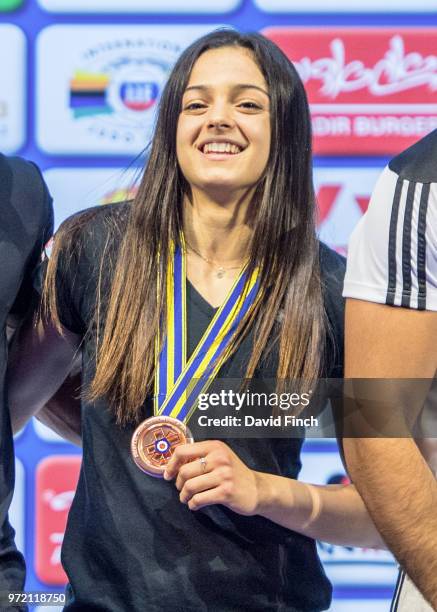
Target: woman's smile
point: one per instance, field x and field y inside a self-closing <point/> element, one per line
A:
<point x="223" y="135"/>
<point x="220" y="150"/>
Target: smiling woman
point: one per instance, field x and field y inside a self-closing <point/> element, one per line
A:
<point x="223" y="134"/>
<point x="213" y="271"/>
<point x="222" y="146"/>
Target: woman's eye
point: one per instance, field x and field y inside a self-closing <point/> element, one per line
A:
<point x="194" y="106"/>
<point x="250" y="105"/>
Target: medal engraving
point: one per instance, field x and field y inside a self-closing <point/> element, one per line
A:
<point x="154" y="442"/>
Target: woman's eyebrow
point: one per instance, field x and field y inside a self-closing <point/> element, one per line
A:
<point x="238" y="86"/>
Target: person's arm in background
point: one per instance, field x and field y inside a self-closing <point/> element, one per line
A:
<point x="391" y="475"/>
<point x="45" y="359"/>
<point x="62" y="412"/>
<point x="43" y="379"/>
<point x="391" y="333"/>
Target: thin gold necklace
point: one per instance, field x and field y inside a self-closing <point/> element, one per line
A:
<point x="220" y="270"/>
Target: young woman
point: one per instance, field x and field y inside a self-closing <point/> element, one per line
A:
<point x="225" y="210"/>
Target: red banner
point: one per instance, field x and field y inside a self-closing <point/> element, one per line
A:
<point x="56" y="481"/>
<point x="372" y="91"/>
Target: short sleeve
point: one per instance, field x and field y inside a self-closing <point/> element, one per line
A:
<point x="392" y="255"/>
<point x="332" y="267"/>
<point x="72" y="282"/>
<point x="88" y="245"/>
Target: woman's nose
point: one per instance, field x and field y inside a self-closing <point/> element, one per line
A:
<point x="219" y="117"/>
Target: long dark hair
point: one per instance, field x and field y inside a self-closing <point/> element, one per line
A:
<point x="283" y="246"/>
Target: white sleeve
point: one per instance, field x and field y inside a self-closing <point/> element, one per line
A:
<point x="392" y="255"/>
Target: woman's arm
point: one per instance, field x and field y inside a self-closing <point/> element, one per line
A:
<point x="331" y="513"/>
<point x="62" y="413"/>
<point x="40" y="359"/>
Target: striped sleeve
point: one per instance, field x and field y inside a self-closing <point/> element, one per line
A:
<point x="393" y="250"/>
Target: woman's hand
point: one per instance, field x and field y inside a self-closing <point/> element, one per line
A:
<point x="210" y="473"/>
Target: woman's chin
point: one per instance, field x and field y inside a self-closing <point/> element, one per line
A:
<point x="221" y="188"/>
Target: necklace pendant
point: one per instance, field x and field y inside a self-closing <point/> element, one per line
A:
<point x="221" y="272"/>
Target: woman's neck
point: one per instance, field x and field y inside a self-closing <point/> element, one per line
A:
<point x="218" y="231"/>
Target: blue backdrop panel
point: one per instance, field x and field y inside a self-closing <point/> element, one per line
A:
<point x="78" y="95"/>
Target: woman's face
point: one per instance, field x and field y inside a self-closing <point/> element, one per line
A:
<point x="223" y="133"/>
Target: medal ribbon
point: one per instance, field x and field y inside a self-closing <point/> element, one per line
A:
<point x="179" y="383"/>
<point x="173" y="355"/>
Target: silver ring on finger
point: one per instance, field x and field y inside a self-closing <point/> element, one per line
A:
<point x="203" y="463"/>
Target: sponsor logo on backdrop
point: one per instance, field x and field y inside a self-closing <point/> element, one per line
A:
<point x="371" y="90"/>
<point x="74" y="189"/>
<point x="139" y="6"/>
<point x="12" y="88"/>
<point x="100" y="95"/>
<point x="56" y="481"/>
<point x="357" y="6"/>
<point x="345" y="565"/>
<point x="9" y="5"/>
<point x="124" y="89"/>
<point x="343" y="196"/>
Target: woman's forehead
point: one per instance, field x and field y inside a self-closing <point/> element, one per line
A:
<point x="226" y="65"/>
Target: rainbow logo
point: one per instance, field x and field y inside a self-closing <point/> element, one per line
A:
<point x="88" y="94"/>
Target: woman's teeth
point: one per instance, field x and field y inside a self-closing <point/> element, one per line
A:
<point x="221" y="147"/>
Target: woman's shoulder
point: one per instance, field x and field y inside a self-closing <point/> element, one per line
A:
<point x="332" y="271"/>
<point x="92" y="229"/>
<point x="97" y="219"/>
<point x="332" y="264"/>
<point x="332" y="268"/>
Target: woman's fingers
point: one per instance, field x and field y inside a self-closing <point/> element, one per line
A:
<point x="197" y="485"/>
<point x="189" y="452"/>
<point x="206" y="498"/>
<point x="194" y="468"/>
<point x="211" y="473"/>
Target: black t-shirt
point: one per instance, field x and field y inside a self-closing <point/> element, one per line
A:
<point x="130" y="544"/>
<point x="26" y="224"/>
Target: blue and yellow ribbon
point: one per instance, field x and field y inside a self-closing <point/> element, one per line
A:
<point x="178" y="382"/>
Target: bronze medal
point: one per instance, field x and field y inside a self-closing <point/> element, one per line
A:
<point x="154" y="442"/>
<point x="178" y="380"/>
